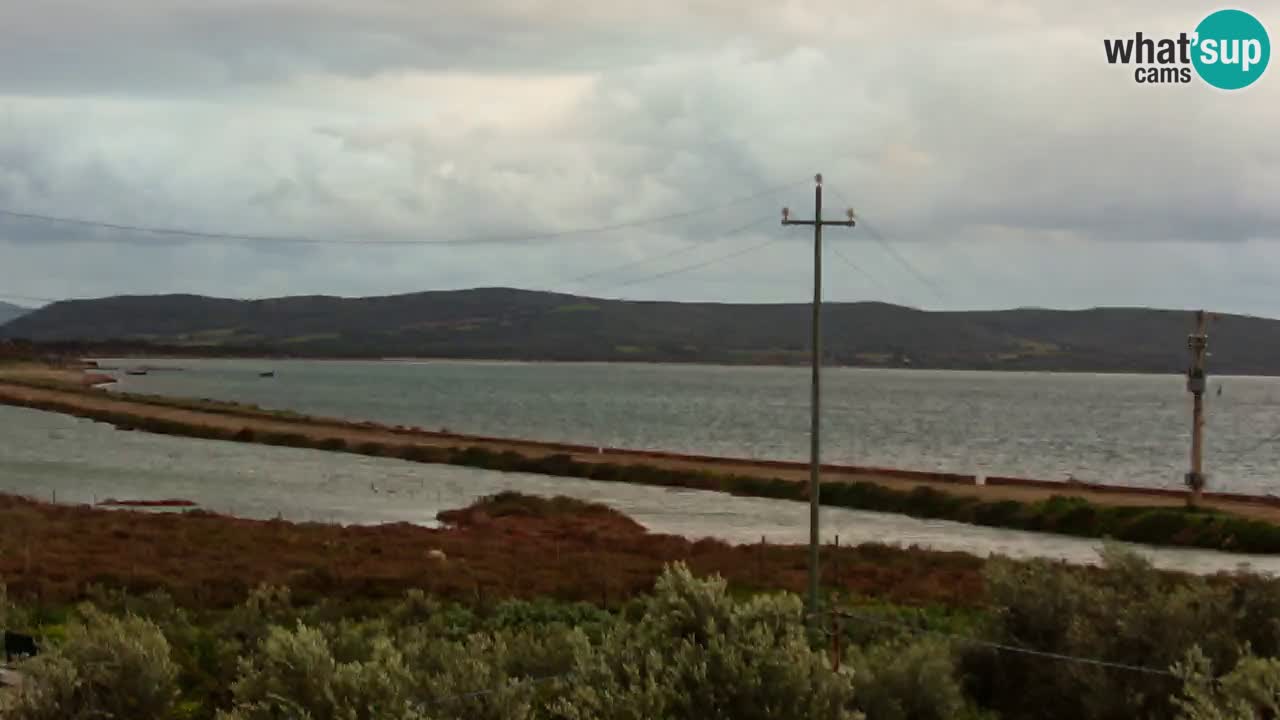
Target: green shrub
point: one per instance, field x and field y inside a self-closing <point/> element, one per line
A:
<point x="695" y="653"/>
<point x="1251" y="691"/>
<point x="1075" y="516"/>
<point x="912" y="681"/>
<point x="295" y="674"/>
<point x="1153" y="526"/>
<point x="1004" y="513"/>
<point x="1129" y="614"/>
<point x="106" y="667"/>
<point x="486" y="676"/>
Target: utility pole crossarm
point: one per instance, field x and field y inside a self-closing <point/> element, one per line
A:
<point x="841" y="223"/>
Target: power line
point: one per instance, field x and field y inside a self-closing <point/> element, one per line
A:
<point x="869" y="619"/>
<point x="644" y="278"/>
<point x="901" y="260"/>
<point x="1002" y="647"/>
<point x="710" y="261"/>
<point x="857" y="268"/>
<point x="476" y="240"/>
<point x="683" y="250"/>
<point x="497" y="689"/>
<point x="921" y="277"/>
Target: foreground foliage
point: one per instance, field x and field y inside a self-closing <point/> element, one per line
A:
<point x="689" y="650"/>
<point x="1120" y="641"/>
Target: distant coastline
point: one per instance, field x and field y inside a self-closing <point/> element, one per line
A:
<point x="677" y="363"/>
<point x="505" y="324"/>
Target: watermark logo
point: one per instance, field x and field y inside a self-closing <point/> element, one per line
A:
<point x="1229" y="50"/>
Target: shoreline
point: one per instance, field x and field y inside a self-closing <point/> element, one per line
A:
<point x="679" y="363"/>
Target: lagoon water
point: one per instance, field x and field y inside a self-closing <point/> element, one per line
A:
<point x="48" y="456"/>
<point x="1122" y="429"/>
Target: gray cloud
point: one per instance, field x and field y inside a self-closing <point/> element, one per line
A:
<point x="988" y="140"/>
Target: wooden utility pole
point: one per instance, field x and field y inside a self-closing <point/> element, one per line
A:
<point x="1197" y="343"/>
<point x="815" y="396"/>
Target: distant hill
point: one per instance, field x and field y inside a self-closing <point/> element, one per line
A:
<point x="500" y="323"/>
<point x="9" y="311"/>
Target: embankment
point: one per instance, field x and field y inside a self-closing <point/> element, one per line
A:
<point x="1227" y="522"/>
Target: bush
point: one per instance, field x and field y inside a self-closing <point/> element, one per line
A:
<point x="696" y="654"/>
<point x="913" y="681"/>
<point x="1129" y="613"/>
<point x="107" y="667"/>
<point x="1249" y="692"/>
<point x="1004" y="513"/>
<point x="336" y="444"/>
<point x="295" y="674"/>
<point x="284" y="439"/>
<point x="418" y="453"/>
<point x="1154" y="526"/>
<point x="375" y="449"/>
<point x="486" y="676"/>
<point x="1080" y="518"/>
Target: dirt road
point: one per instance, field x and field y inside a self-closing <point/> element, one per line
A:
<point x="230" y="419"/>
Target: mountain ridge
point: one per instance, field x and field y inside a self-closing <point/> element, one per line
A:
<point x="516" y="324"/>
<point x="9" y="311"/>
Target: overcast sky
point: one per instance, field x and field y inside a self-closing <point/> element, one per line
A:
<point x="986" y="142"/>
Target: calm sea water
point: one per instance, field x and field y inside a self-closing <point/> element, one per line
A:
<point x="46" y="455"/>
<point x="1123" y="429"/>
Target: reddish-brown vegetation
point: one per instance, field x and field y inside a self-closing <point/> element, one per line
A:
<point x="511" y="546"/>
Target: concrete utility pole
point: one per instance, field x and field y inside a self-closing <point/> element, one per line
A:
<point x="815" y="397"/>
<point x="1197" y="343"/>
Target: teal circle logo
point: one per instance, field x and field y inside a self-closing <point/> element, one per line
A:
<point x="1231" y="49"/>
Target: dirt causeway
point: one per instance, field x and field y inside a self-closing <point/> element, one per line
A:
<point x="71" y="397"/>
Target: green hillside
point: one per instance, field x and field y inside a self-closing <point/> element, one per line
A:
<point x="501" y="323"/>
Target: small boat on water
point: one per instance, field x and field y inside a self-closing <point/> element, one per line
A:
<point x="136" y="371"/>
<point x="269" y="373"/>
